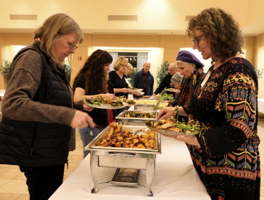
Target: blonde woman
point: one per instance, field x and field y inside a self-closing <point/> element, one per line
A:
<point x="38" y="118"/>
<point x="118" y="78"/>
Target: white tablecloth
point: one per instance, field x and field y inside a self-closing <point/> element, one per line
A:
<point x="261" y="105"/>
<point x="175" y="178"/>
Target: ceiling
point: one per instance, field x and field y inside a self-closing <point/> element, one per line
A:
<point x="152" y="17"/>
<point x="253" y="29"/>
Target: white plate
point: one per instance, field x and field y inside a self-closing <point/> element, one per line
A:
<point x="136" y="89"/>
<point x="171" y="90"/>
<point x="106" y="106"/>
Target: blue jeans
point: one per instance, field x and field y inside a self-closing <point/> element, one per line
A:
<point x="87" y="135"/>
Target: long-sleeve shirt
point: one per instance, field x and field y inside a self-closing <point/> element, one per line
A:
<point x="18" y="101"/>
<point x="139" y="82"/>
<point x="165" y="83"/>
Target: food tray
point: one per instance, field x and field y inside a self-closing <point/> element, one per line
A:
<point x="169" y="132"/>
<point x="133" y="129"/>
<point x="137" y="121"/>
<point x="125" y="177"/>
<point x="146" y="101"/>
<point x="145" y="107"/>
<point x="145" y="104"/>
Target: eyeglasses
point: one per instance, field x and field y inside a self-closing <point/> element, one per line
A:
<point x="196" y="40"/>
<point x="72" y="45"/>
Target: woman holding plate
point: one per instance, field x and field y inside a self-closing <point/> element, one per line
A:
<point x="191" y="70"/>
<point x="90" y="82"/>
<point x="225" y="153"/>
<point x="119" y="81"/>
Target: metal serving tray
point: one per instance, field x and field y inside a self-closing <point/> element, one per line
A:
<point x="126" y="177"/>
<point x="133" y="129"/>
<point x="145" y="105"/>
<point x="137" y="121"/>
<point x="124" y="158"/>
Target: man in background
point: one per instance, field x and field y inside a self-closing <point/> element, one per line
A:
<point x="144" y="79"/>
<point x="166" y="81"/>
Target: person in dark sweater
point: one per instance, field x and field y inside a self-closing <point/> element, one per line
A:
<point x="37" y="124"/>
<point x="90" y="82"/>
<point x="144" y="79"/>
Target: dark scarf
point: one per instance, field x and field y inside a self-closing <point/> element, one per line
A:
<point x="188" y="87"/>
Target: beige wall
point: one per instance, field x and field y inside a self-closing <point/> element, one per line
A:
<point x="171" y="45"/>
<point x="153" y="16"/>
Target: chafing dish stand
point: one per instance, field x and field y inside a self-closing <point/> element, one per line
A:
<point x="132" y="158"/>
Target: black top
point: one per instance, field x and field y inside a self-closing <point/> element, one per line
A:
<point x="165" y="83"/>
<point x="99" y="115"/>
<point x="118" y="82"/>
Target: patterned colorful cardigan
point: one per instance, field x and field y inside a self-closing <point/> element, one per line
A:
<point x="227" y="160"/>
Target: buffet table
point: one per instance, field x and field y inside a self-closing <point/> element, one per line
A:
<point x="261" y="105"/>
<point x="175" y="178"/>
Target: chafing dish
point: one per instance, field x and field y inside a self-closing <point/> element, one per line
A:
<point x="124" y="158"/>
<point x="146" y="104"/>
<point x="137" y="121"/>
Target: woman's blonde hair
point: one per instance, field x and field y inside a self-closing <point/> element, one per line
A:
<point x="129" y="66"/>
<point x="120" y="61"/>
<point x="53" y="28"/>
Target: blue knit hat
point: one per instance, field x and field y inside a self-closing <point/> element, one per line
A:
<point x="176" y="78"/>
<point x="187" y="56"/>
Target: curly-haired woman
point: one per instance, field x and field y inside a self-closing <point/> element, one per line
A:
<point x="90" y="81"/>
<point x="225" y="153"/>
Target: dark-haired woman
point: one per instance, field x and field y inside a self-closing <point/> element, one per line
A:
<point x="92" y="80"/>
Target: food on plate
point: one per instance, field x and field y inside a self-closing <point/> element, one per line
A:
<point x="170" y="124"/>
<point x="95" y="101"/>
<point x="162" y="104"/>
<point x="99" y="100"/>
<point x="163" y="96"/>
<point x="118" y="137"/>
<point x="116" y="103"/>
<point x="139" y="114"/>
<point x="130" y="101"/>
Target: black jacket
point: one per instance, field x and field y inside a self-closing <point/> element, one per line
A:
<point x="165" y="83"/>
<point x="33" y="144"/>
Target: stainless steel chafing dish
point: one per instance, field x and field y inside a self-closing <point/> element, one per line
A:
<point x="137" y="121"/>
<point x="124" y="158"/>
<point x="145" y="104"/>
